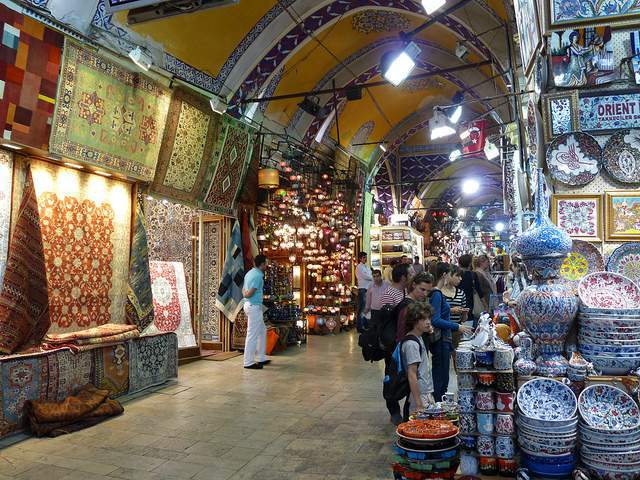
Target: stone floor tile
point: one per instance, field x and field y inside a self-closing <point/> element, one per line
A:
<point x="179" y="469"/>
<point x="38" y="471"/>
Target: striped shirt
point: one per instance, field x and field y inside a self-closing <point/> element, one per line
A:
<point x="458" y="300"/>
<point x="392" y="296"/>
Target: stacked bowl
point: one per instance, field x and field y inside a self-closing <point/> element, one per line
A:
<point x="547" y="427"/>
<point x="609" y="433"/>
<point x="609" y="322"/>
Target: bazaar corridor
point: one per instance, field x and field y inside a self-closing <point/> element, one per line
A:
<point x="314" y="413"/>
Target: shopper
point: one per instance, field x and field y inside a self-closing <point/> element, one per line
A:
<point x="395" y="292"/>
<point x="482" y="267"/>
<point x="442" y="338"/>
<point x="419" y="289"/>
<point x="416" y="359"/>
<point x="407" y="261"/>
<point x="256" y="341"/>
<point x="457" y="300"/>
<point x="470" y="285"/>
<point x="364" y="279"/>
<point x="417" y="266"/>
<point x="373" y="303"/>
<point x="387" y="272"/>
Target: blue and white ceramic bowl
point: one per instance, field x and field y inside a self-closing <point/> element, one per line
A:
<point x="541" y="427"/>
<point x="621" y="312"/>
<point x="610" y="457"/>
<point x="605" y="407"/>
<point x="557" y="442"/>
<point x="612" y="350"/>
<point x="609" y="365"/>
<point x="556" y="465"/>
<point x="567" y="433"/>
<point x="547" y="400"/>
<point x="628" y="341"/>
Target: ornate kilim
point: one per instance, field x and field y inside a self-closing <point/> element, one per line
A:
<point x="187" y="149"/>
<point x="20" y="168"/>
<point x="107" y="330"/>
<point x="23" y="379"/>
<point x="211" y="280"/>
<point x="249" y="190"/>
<point x="68" y="373"/>
<point x="239" y="331"/>
<point x="170" y="301"/>
<point x="230" y="291"/>
<point x="226" y="175"/>
<point x="139" y="307"/>
<point x="24" y="312"/>
<point x="6" y="176"/>
<point x="112" y="369"/>
<point x="30" y="56"/>
<point x="169" y="234"/>
<point x="107" y="115"/>
<point x="85" y="221"/>
<point x="152" y="361"/>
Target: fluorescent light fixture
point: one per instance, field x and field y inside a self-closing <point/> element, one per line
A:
<point x="431" y="6"/>
<point x="470" y="186"/>
<point x="382" y="147"/>
<point x="218" y="105"/>
<point x="465" y="134"/>
<point x="480" y="214"/>
<point x="461" y="50"/>
<point x="399" y="69"/>
<point x="103" y="174"/>
<point x="454" y="116"/>
<point x="456" y="154"/>
<point x="12" y="146"/>
<point x="499" y="227"/>
<point x="439" y="125"/>
<point x="73" y="165"/>
<point x="491" y="151"/>
<point x="462" y="212"/>
<point x="141" y="58"/>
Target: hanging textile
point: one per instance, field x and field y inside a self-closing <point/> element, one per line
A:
<point x="30" y="55"/>
<point x="230" y="291"/>
<point x="6" y="176"/>
<point x="24" y="308"/>
<point x="249" y="189"/>
<point x="108" y="116"/>
<point x="139" y="307"/>
<point x="249" y="239"/>
<point x="190" y="137"/>
<point x="226" y="175"/>
<point x="210" y="329"/>
<point x="152" y="361"/>
<point x="170" y="302"/>
<point x="86" y="223"/>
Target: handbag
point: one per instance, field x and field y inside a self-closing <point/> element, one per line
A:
<point x="436" y="335"/>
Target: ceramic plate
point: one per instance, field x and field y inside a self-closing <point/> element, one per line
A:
<point x="621" y="156"/>
<point x="546" y="399"/>
<point x="608" y="408"/>
<point x="574" y="158"/>
<point x="608" y="290"/>
<point x="584" y="259"/>
<point x="625" y="260"/>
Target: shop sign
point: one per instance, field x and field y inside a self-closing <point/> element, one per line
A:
<point x="609" y="112"/>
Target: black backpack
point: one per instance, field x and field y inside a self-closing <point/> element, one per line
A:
<point x="396" y="382"/>
<point x="389" y="324"/>
<point x="369" y="342"/>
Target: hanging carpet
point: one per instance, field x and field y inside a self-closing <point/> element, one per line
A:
<point x="210" y="328"/>
<point x="6" y="177"/>
<point x="139" y="307"/>
<point x="230" y="291"/>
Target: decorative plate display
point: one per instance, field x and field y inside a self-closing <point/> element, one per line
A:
<point x="606" y="407"/>
<point x="625" y="260"/>
<point x="532" y="134"/>
<point x="547" y="399"/>
<point x="574" y="158"/>
<point x="608" y="290"/>
<point x="621" y="156"/>
<point x="584" y="259"/>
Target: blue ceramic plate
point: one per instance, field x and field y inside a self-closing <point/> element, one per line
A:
<point x="605" y="407"/>
<point x="547" y="399"/>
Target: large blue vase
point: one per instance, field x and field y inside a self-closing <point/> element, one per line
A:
<point x="547" y="309"/>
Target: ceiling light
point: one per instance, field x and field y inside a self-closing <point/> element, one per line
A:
<point x="74" y="165"/>
<point x="431" y="6"/>
<point x="470" y="186"/>
<point x="491" y="151"/>
<point x="12" y="146"/>
<point x="462" y="212"/>
<point x="104" y="174"/>
<point x="499" y="227"/>
<point x="456" y="154"/>
<point x="480" y="214"/>
<point x="382" y="147"/>
<point x="397" y="66"/>
<point x="141" y="58"/>
<point x="218" y="105"/>
<point x="439" y="125"/>
<point x="455" y="112"/>
<point x="461" y="50"/>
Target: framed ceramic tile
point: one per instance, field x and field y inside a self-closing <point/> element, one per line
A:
<point x="608" y="112"/>
<point x="578" y="215"/>
<point x="560" y="113"/>
<point x="529" y="30"/>
<point x="569" y="13"/>
<point x="623" y="216"/>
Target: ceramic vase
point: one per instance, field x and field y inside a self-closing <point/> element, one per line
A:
<point x="525" y="365"/>
<point x="546" y="308"/>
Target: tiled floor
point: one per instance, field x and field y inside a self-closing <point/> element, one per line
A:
<point x="314" y="413"/>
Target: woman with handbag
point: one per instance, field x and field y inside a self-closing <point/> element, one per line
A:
<point x="441" y="341"/>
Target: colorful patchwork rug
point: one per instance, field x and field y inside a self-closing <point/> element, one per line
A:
<point x="152" y="361"/>
<point x="108" y="116"/>
<point x="226" y="175"/>
<point x="139" y="307"/>
<point x="170" y="302"/>
<point x="6" y="177"/>
<point x="85" y="221"/>
<point x="30" y="55"/>
<point x="24" y="310"/>
<point x="68" y="373"/>
<point x="190" y="137"/>
<point x="210" y="329"/>
<point x="111" y="371"/>
<point x="229" y="299"/>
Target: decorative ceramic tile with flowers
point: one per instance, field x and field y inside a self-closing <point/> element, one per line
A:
<point x="578" y="215"/>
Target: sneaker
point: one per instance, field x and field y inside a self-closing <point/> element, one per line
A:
<point x="254" y="366"/>
<point x="266" y="362"/>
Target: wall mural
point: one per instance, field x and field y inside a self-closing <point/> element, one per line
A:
<point x="377" y="21"/>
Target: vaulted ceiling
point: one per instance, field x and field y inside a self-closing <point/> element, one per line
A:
<point x="262" y="48"/>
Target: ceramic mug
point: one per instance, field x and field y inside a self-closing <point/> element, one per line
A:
<point x="503" y="359"/>
<point x="464" y="359"/>
<point x="504" y="447"/>
<point x="468" y="423"/>
<point x="469" y="441"/>
<point x="449" y="397"/>
<point x="505" y="382"/>
<point x="507" y="467"/>
<point x="488" y="466"/>
<point x="486" y="423"/>
<point x="504" y="402"/>
<point x="485" y="400"/>
<point x="484" y="357"/>
<point x="466" y="381"/>
<point x="468" y="464"/>
<point x="487" y="379"/>
<point x="486" y="446"/>
<point x="467" y="401"/>
<point x="504" y="424"/>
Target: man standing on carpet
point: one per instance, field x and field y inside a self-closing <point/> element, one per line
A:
<point x="256" y="342"/>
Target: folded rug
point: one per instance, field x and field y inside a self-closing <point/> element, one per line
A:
<point x="107" y="330"/>
<point x="84" y="409"/>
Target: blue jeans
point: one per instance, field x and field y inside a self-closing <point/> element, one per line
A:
<point x="361" y="322"/>
<point x="440" y="362"/>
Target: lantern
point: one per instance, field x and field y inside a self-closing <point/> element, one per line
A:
<point x="268" y="178"/>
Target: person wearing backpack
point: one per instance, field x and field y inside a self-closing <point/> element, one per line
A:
<point x="441" y="341"/>
<point x="419" y="289"/>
